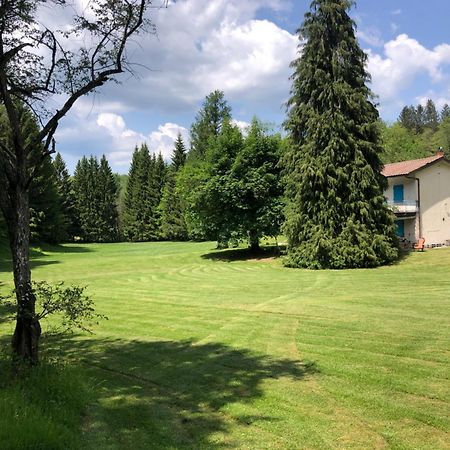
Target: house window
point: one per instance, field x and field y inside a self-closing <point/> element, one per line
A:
<point x="398" y="193"/>
<point x="400" y="228"/>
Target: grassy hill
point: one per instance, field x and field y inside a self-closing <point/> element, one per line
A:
<point x="207" y="349"/>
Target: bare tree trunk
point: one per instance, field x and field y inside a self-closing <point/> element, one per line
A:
<point x="253" y="240"/>
<point x="25" y="341"/>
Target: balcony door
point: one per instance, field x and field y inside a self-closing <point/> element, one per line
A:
<point x="399" y="193"/>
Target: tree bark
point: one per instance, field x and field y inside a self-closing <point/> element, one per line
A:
<point x="253" y="240"/>
<point x="25" y="341"/>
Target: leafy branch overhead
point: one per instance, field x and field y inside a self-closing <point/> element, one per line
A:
<point x="37" y="62"/>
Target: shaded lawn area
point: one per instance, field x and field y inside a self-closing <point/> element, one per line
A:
<point x="231" y="351"/>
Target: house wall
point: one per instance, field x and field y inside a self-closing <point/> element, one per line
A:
<point x="435" y="202"/>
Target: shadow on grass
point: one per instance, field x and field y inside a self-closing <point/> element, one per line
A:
<point x="246" y="254"/>
<point x="66" y="248"/>
<point x="36" y="253"/>
<point x="169" y="394"/>
<point x="6" y="264"/>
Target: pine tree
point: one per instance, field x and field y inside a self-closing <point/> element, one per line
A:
<point x="420" y="119"/>
<point x="135" y="215"/>
<point x="178" y="154"/>
<point x="208" y="123"/>
<point x="336" y="215"/>
<point x="155" y="185"/>
<point x="47" y="221"/>
<point x="445" y="113"/>
<point x="108" y="192"/>
<point x="96" y="197"/>
<point x="173" y="224"/>
<point x="431" y="116"/>
<point x="67" y="196"/>
<point x="407" y="118"/>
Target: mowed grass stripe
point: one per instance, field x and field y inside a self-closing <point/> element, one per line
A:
<point x="201" y="351"/>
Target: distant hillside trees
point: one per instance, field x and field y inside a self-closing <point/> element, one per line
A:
<point x="336" y="215"/>
<point x="418" y="132"/>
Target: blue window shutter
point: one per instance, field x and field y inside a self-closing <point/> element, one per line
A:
<point x="398" y="193"/>
<point x="400" y="228"/>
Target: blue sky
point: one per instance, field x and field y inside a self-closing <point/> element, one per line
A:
<point x="244" y="48"/>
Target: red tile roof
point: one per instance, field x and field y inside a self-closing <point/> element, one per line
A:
<point x="406" y="167"/>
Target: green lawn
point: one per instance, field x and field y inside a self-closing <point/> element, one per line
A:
<point x="212" y="350"/>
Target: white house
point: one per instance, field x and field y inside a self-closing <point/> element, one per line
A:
<point x="419" y="193"/>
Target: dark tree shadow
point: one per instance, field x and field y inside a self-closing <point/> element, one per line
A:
<point x="246" y="254"/>
<point x="6" y="264"/>
<point x="169" y="394"/>
<point x="67" y="248"/>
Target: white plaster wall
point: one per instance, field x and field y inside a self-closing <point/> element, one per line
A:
<point x="435" y="202"/>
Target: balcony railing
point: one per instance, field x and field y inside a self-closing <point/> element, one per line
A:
<point x="405" y="207"/>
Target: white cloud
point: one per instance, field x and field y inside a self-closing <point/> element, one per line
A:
<point x="206" y="45"/>
<point x="371" y="36"/>
<point x="403" y="60"/>
<point x="162" y="141"/>
<point x="439" y="100"/>
<point x="396" y="12"/>
<point x="241" y="124"/>
<point x="124" y="139"/>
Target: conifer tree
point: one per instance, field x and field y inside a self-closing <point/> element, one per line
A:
<point x="66" y="195"/>
<point x="47" y="221"/>
<point x="135" y="215"/>
<point x="155" y="185"/>
<point x="96" y="195"/>
<point x="178" y="154"/>
<point x="108" y="192"/>
<point x="336" y="215"/>
<point x="431" y="115"/>
<point x="407" y="118"/>
<point x="445" y="113"/>
<point x="173" y="224"/>
<point x="208" y="123"/>
<point x="420" y="119"/>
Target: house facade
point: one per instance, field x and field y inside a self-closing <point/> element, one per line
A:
<point x="419" y="194"/>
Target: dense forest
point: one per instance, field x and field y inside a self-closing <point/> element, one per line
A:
<point x="224" y="185"/>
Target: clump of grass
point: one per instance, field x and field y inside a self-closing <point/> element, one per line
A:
<point x="41" y="407"/>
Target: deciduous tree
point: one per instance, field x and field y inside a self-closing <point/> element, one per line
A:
<point x="38" y="62"/>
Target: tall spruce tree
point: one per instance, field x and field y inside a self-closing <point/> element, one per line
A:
<point x="445" y="113"/>
<point x="96" y="198"/>
<point x="135" y="215"/>
<point x="173" y="224"/>
<point x="337" y="216"/>
<point x="431" y="115"/>
<point x="108" y="194"/>
<point x="155" y="185"/>
<point x="208" y="123"/>
<point x="67" y="196"/>
<point x="47" y="221"/>
<point x="179" y="154"/>
<point x="407" y="118"/>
